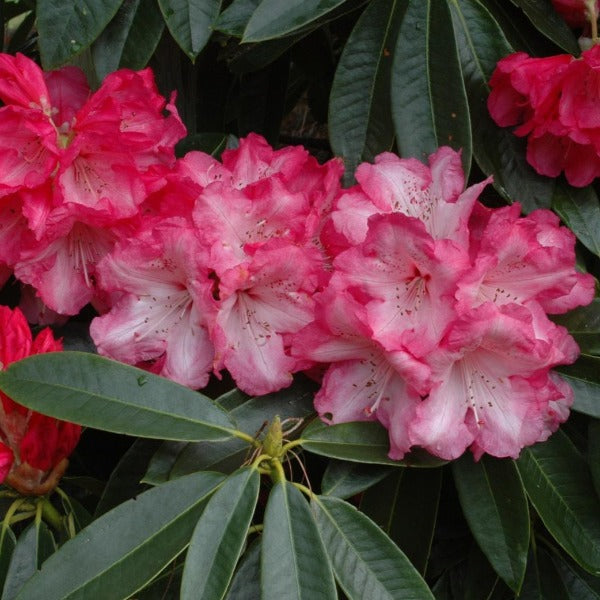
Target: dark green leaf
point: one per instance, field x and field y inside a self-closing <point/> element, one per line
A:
<point x="162" y="462"/>
<point x="583" y="324"/>
<point x="246" y="581"/>
<point x="273" y="18"/>
<point x="124" y="482"/>
<point x="405" y="506"/>
<point x="594" y="452"/>
<point x="560" y="488"/>
<point x="130" y="38"/>
<point x="363" y="442"/>
<point x="366" y="562"/>
<point x="542" y="582"/>
<point x="122" y="550"/>
<point x="429" y="102"/>
<point x="344" y="479"/>
<point x="545" y="18"/>
<point x="577" y="582"/>
<point x="95" y="391"/>
<point x="190" y="22"/>
<point x="360" y="120"/>
<point x="33" y="547"/>
<point x="219" y="537"/>
<point x="481" y="44"/>
<point x="580" y="210"/>
<point x="7" y="547"/>
<point x="235" y="17"/>
<point x="67" y="28"/>
<point x="210" y="143"/>
<point x="294" y="565"/>
<point x="584" y="378"/>
<point x="495" y="506"/>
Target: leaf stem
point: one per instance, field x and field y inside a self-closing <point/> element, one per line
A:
<point x="277" y="472"/>
<point x="51" y="515"/>
<point x="244" y="436"/>
<point x="255" y="529"/>
<point x="306" y="491"/>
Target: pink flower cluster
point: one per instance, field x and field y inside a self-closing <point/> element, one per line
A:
<point x="427" y="309"/>
<point x="554" y="103"/>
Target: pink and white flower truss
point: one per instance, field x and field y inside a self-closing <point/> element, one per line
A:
<point x="74" y="170"/>
<point x="435" y="316"/>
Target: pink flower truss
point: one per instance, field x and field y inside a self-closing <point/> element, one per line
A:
<point x="434" y="318"/>
<point x="553" y="101"/>
<point x="574" y="12"/>
<point x="79" y="165"/>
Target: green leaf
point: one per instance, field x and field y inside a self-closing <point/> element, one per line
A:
<point x="360" y="120"/>
<point x="124" y="481"/>
<point x="120" y="552"/>
<point x="295" y="402"/>
<point x="219" y="537"/>
<point x="577" y="582"/>
<point x="246" y="581"/>
<point x="67" y="28"/>
<point x="210" y="143"/>
<point x="366" y="562"/>
<point x="584" y="378"/>
<point x="405" y="505"/>
<point x="235" y="17"/>
<point x="583" y="324"/>
<point x="130" y="38"/>
<point x="273" y="18"/>
<point x="542" y="582"/>
<point x="560" y="488"/>
<point x="294" y="565"/>
<point x="580" y="210"/>
<point x="363" y="442"/>
<point x="344" y="479"/>
<point x="594" y="452"/>
<point x="545" y="18"/>
<point x="33" y="547"/>
<point x="98" y="392"/>
<point x="7" y="547"/>
<point x="481" y="44"/>
<point x="495" y="506"/>
<point x="190" y="22"/>
<point x="429" y="101"/>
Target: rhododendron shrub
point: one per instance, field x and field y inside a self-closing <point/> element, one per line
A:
<point x="552" y="102"/>
<point x="34" y="448"/>
<point x="454" y="348"/>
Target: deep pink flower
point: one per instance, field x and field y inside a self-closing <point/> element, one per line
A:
<point x="574" y="12"/>
<point x="33" y="448"/>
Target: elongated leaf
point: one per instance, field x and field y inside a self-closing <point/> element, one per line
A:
<point x="235" y="17"/>
<point x="33" y="547"/>
<point x="405" y="506"/>
<point x="594" y="452"/>
<point x="560" y="488"/>
<point x="190" y="22"/>
<point x="344" y="479"/>
<point x="98" y="392"/>
<point x="366" y="562"/>
<point x="293" y="564"/>
<point x="7" y="547"/>
<point x="363" y="442"/>
<point x="584" y="378"/>
<point x="219" y="537"/>
<point x="583" y="324"/>
<point x="122" y="550"/>
<point x="542" y="581"/>
<point x="577" y="582"/>
<point x="360" y="119"/>
<point x="481" y="44"/>
<point x="274" y="18"/>
<point x="130" y="38"/>
<point x="246" y="581"/>
<point x="429" y="101"/>
<point x="579" y="208"/>
<point x="545" y="18"/>
<point x="495" y="506"/>
<point x="124" y="482"/>
<point x="211" y="143"/>
<point x="67" y="28"/>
